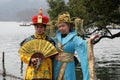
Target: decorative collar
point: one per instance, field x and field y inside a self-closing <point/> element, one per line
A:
<point x="65" y="39"/>
<point x="38" y="36"/>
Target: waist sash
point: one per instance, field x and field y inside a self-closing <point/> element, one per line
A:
<point x="64" y="58"/>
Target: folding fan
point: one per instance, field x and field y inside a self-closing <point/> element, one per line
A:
<point x="38" y="46"/>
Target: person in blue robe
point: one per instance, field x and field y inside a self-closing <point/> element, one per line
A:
<point x="67" y="43"/>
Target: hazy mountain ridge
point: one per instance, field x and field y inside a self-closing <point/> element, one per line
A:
<point x="18" y="10"/>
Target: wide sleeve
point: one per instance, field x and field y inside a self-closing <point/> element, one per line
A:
<point x="81" y="51"/>
<point x="25" y="57"/>
<point x="84" y="52"/>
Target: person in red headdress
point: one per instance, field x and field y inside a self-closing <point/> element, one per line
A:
<point x="44" y="71"/>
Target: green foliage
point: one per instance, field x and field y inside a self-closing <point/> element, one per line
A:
<point x="56" y="7"/>
<point x="98" y="13"/>
<point x="102" y="11"/>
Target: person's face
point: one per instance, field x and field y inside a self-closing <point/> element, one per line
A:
<point x="63" y="28"/>
<point x="39" y="28"/>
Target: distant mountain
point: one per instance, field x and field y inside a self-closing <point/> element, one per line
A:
<point x="21" y="10"/>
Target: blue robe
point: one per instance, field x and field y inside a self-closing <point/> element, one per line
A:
<point x="72" y="43"/>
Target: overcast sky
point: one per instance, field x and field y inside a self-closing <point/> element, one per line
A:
<point x="1" y="1"/>
<point x="18" y="10"/>
<point x="13" y="9"/>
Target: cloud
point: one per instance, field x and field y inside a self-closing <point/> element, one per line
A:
<point x="4" y="1"/>
<point x="14" y="7"/>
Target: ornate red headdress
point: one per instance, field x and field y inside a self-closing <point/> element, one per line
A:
<point x="40" y="19"/>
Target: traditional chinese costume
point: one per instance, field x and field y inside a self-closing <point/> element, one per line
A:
<point x="45" y="69"/>
<point x="64" y="64"/>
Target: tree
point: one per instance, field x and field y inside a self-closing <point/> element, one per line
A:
<point x="56" y="7"/>
<point x="95" y="13"/>
<point x="103" y="12"/>
<point x="99" y="12"/>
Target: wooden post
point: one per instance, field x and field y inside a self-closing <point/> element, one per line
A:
<point x="21" y="68"/>
<point x="3" y="64"/>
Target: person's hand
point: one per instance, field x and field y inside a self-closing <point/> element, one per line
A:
<point x="35" y="62"/>
<point x="93" y="37"/>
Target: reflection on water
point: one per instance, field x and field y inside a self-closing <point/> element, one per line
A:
<point x="107" y="54"/>
<point x="109" y="72"/>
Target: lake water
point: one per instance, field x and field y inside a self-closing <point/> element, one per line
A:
<point x="11" y="34"/>
<point x="107" y="57"/>
<point x="107" y="52"/>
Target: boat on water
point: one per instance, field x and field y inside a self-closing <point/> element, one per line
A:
<point x="25" y="24"/>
